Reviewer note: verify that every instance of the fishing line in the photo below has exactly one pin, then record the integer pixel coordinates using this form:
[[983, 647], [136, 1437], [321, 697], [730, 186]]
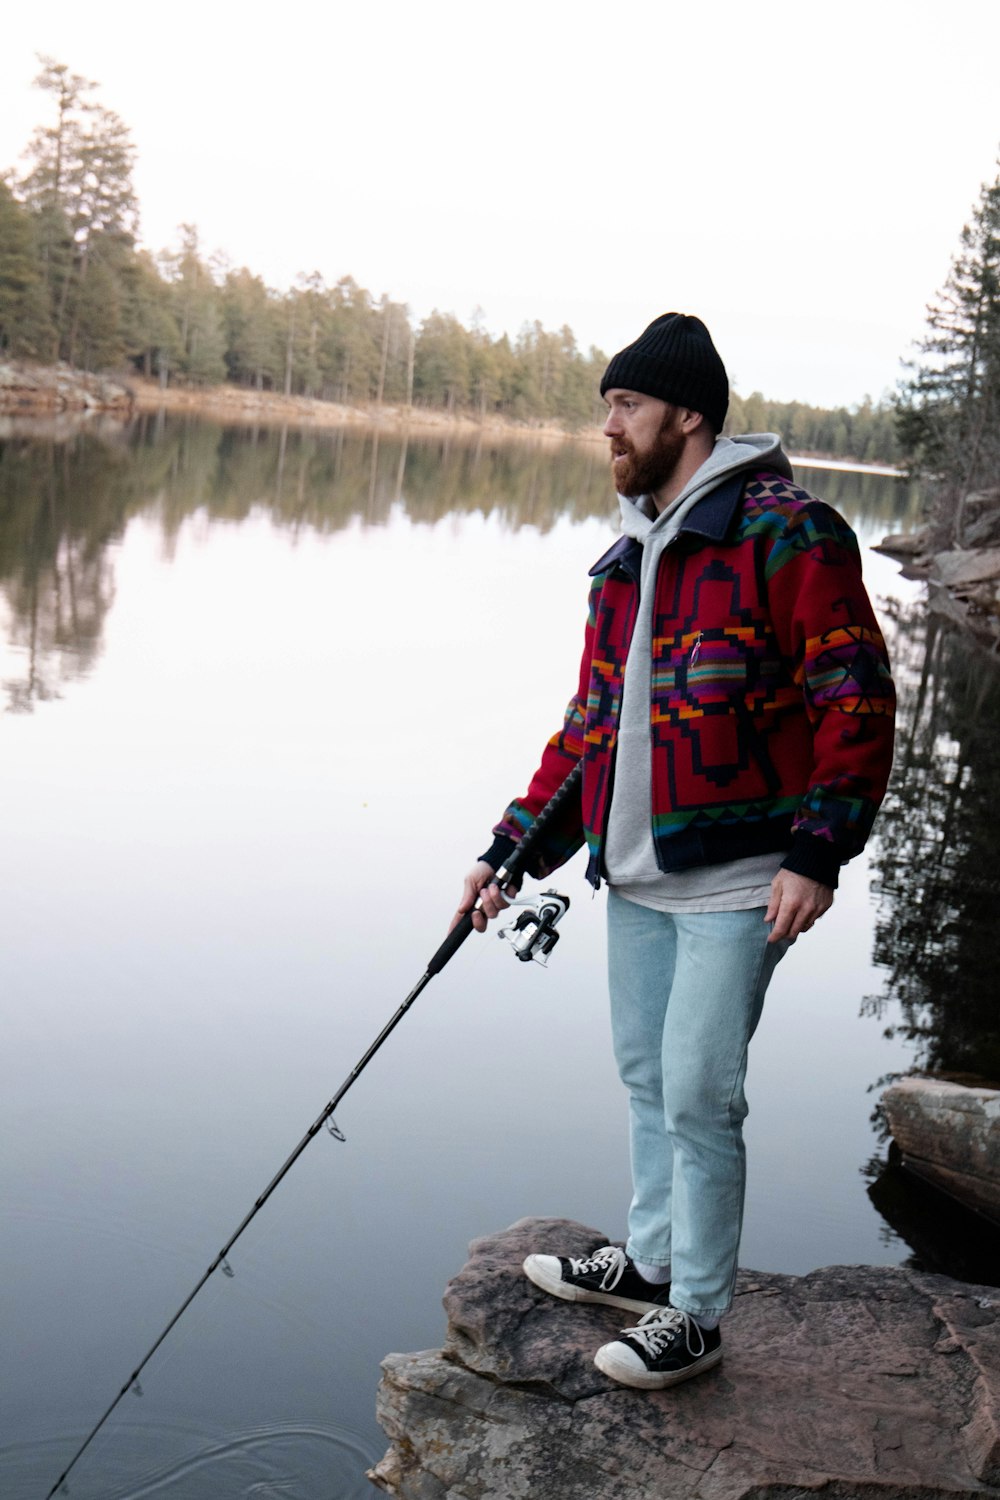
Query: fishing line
[[535, 938]]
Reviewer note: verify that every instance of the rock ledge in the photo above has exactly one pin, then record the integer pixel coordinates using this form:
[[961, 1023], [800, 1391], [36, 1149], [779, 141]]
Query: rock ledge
[[854, 1380], [949, 1134]]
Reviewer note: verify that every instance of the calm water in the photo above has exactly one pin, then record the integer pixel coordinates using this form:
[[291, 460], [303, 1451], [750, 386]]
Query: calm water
[[265, 695]]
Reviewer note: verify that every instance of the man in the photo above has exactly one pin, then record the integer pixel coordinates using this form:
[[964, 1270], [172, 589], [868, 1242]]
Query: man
[[734, 717]]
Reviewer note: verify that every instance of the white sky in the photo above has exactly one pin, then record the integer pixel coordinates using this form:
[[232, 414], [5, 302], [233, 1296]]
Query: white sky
[[796, 172]]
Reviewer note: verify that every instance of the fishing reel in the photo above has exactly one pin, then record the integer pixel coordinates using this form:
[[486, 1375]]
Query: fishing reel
[[533, 935]]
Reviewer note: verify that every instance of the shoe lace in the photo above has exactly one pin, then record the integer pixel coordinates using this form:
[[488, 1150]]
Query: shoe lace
[[655, 1331], [610, 1259]]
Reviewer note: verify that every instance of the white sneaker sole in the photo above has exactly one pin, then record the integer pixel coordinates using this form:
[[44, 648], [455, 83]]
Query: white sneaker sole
[[621, 1368], [537, 1271]]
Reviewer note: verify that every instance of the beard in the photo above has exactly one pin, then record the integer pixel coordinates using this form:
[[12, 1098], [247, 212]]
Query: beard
[[645, 473]]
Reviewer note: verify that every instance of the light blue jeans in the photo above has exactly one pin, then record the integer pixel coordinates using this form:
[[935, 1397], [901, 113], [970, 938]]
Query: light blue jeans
[[687, 991]]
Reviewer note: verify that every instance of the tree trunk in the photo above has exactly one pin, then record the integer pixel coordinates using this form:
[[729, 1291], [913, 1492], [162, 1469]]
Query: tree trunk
[[289, 350], [386, 319]]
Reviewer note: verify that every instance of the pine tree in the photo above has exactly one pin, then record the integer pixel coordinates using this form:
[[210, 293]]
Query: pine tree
[[80, 191], [149, 330], [54, 151], [196, 309], [948, 414], [25, 329]]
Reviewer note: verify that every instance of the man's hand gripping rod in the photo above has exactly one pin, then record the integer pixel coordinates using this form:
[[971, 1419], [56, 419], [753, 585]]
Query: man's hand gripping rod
[[511, 871]]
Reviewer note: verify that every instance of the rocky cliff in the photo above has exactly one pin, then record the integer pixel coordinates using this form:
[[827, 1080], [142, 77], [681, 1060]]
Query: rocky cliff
[[856, 1381]]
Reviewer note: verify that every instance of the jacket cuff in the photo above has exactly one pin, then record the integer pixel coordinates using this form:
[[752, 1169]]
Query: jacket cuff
[[499, 851], [814, 858]]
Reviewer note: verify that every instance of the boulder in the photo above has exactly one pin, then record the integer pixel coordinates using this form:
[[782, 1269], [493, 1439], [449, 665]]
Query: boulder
[[903, 544], [949, 1134], [854, 1381], [960, 568]]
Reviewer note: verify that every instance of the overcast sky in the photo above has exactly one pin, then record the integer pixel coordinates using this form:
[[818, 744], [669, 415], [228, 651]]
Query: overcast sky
[[796, 173]]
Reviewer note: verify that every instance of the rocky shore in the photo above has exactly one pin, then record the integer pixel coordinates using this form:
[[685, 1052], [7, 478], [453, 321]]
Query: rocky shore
[[29, 390], [50, 390], [854, 1381], [963, 583], [42, 390]]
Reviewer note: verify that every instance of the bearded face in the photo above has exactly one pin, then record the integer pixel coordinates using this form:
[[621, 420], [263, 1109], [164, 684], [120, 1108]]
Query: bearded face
[[643, 471]]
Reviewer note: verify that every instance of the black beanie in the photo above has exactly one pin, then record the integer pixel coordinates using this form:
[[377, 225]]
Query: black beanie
[[676, 361]]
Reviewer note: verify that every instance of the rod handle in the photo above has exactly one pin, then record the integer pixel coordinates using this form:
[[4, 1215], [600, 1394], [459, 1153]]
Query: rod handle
[[451, 944]]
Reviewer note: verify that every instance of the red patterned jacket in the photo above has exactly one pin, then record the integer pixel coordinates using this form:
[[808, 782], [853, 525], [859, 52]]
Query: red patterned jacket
[[771, 709]]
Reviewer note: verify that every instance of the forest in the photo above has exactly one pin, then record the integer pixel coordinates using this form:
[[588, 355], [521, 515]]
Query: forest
[[76, 286]]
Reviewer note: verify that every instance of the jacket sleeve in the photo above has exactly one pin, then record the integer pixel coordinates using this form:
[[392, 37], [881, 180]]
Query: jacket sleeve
[[560, 755], [828, 633]]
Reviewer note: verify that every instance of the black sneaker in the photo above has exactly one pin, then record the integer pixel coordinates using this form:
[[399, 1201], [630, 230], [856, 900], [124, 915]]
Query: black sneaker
[[607, 1276], [667, 1347]]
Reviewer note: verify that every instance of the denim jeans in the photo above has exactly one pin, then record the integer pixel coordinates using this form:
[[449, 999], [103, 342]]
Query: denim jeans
[[687, 991]]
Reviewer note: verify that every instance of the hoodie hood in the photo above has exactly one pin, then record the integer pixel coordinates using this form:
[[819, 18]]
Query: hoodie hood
[[753, 450], [630, 859]]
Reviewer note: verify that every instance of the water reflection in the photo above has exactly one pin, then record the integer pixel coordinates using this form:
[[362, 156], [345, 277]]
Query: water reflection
[[936, 852], [67, 496], [186, 966], [934, 859], [326, 480], [944, 1237], [61, 507]]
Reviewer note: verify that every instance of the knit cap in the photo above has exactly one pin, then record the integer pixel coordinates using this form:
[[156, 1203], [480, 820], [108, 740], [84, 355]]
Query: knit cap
[[675, 360]]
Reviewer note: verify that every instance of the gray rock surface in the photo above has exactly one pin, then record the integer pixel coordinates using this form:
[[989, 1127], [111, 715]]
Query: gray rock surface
[[904, 544], [949, 1134], [855, 1381], [969, 566], [29, 388]]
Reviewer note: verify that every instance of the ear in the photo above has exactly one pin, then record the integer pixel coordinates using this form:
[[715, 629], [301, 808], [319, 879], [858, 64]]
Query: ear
[[690, 421]]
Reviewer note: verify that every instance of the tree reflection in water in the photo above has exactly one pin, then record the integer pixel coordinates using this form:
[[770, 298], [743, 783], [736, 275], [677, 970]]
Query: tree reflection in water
[[936, 853], [67, 496], [935, 877], [58, 515], [68, 492]]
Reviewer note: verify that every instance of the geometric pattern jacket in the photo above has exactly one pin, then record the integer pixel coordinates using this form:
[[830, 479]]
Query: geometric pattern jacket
[[771, 703]]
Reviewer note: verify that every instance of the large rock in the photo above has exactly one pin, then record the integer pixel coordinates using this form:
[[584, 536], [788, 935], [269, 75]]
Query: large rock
[[26, 389], [963, 568], [950, 1135], [904, 544], [856, 1381]]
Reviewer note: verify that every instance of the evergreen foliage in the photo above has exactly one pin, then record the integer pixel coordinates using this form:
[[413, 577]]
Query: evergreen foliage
[[866, 432], [25, 329], [948, 411], [74, 286]]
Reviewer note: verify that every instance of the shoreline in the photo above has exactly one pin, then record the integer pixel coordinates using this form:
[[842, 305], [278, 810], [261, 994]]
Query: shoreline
[[55, 392], [275, 409]]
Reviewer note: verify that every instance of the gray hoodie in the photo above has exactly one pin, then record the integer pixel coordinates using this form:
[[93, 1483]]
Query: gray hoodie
[[629, 858]]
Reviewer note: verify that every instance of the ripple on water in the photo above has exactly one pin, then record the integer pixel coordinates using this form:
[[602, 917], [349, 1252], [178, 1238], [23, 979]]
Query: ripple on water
[[285, 1459]]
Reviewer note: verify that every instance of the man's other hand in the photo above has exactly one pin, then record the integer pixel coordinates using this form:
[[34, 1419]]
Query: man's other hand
[[796, 903], [479, 882]]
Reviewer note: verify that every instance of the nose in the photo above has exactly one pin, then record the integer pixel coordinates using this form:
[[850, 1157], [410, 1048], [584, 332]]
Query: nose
[[613, 426]]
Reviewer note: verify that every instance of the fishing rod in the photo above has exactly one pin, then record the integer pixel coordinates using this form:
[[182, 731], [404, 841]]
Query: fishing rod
[[532, 937]]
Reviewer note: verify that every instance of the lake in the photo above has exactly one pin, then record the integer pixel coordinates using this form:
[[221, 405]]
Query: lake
[[266, 693]]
